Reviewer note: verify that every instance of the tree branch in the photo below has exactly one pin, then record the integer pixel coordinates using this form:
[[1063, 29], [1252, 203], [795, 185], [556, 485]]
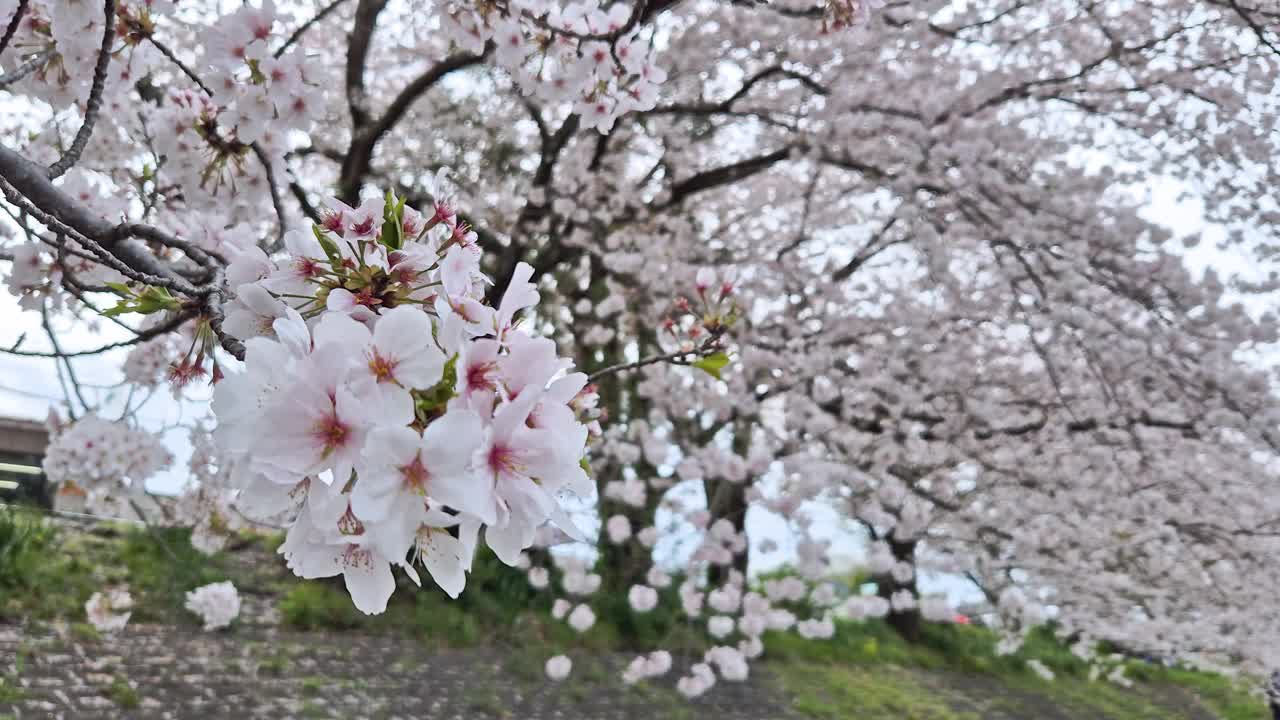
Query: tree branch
[[358, 42], [14, 22], [91, 107], [675, 358], [725, 175], [306, 26], [359, 157], [26, 68], [26, 181]]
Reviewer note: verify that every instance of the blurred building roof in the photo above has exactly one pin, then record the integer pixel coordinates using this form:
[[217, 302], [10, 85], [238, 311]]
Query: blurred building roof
[[24, 437]]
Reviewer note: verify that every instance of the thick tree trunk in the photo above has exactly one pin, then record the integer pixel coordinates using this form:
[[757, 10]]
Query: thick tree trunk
[[907, 623], [620, 565], [727, 500]]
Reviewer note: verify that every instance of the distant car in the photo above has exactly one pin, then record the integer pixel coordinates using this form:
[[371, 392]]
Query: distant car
[[22, 446]]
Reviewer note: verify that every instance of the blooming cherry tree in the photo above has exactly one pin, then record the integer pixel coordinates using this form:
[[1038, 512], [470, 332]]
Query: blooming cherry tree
[[490, 277]]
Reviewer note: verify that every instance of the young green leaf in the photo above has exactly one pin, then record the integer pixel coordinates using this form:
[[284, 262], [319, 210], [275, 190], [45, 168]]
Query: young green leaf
[[713, 364]]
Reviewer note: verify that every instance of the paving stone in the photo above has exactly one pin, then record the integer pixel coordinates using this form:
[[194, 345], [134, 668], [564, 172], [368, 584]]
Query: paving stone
[[181, 672]]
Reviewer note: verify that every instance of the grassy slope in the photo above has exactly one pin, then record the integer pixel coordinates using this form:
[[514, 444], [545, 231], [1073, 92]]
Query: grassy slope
[[866, 672]]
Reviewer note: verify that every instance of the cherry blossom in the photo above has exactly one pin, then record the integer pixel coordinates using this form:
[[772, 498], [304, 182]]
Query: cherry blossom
[[642, 598], [582, 618], [109, 462], [558, 667], [217, 604], [109, 611]]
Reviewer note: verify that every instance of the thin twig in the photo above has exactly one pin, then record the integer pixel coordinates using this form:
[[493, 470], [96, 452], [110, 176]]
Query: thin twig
[[27, 186], [142, 336], [282, 225], [276, 202], [72, 155], [304, 27], [26, 68], [191, 74], [675, 358], [213, 310], [13, 25], [101, 255], [71, 373], [300, 194]]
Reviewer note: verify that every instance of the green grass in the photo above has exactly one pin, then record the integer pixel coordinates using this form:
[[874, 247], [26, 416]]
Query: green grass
[[10, 691], [317, 606], [837, 692], [47, 573], [484, 699], [826, 691], [498, 605], [962, 648], [274, 665], [24, 541], [867, 671], [1226, 697], [84, 632], [43, 574], [312, 686], [162, 567], [122, 694], [427, 614]]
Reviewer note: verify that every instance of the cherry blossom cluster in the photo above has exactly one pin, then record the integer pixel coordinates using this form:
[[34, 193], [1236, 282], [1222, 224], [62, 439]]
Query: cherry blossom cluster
[[841, 14], [217, 604], [203, 154], [257, 91], [734, 614], [697, 325], [646, 667], [68, 33], [104, 463], [220, 134], [109, 610], [387, 401], [33, 278], [581, 53], [147, 364], [558, 667], [40, 273]]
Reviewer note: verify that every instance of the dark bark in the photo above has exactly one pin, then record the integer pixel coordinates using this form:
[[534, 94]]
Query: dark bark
[[906, 623]]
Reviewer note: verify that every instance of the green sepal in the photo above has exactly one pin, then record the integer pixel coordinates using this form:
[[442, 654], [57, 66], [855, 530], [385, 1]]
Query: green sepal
[[120, 289], [328, 245], [713, 364], [392, 227], [149, 300], [427, 402]]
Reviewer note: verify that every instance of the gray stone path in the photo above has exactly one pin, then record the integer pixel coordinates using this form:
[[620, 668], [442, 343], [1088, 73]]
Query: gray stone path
[[150, 671]]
